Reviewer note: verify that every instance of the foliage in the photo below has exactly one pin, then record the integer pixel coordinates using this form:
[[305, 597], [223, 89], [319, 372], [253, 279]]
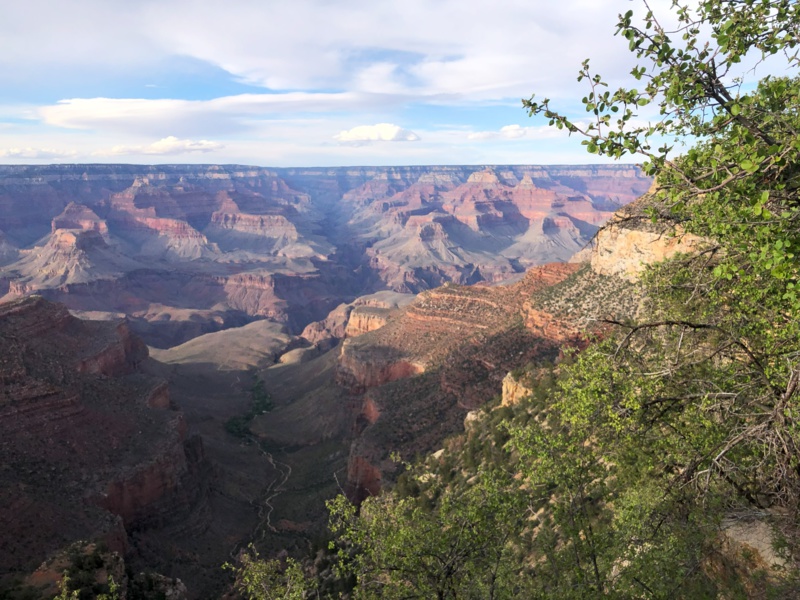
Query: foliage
[[607, 522], [692, 410], [88, 565], [70, 592], [260, 403], [456, 546], [718, 360], [271, 579]]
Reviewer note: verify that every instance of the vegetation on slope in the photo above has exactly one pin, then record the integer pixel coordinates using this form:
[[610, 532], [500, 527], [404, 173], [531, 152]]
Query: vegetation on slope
[[615, 483]]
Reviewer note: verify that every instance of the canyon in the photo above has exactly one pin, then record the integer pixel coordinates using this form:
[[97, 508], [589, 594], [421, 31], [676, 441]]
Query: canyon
[[183, 250], [379, 307]]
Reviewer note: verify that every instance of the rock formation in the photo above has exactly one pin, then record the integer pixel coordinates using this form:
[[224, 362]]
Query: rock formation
[[630, 242], [91, 448], [243, 243], [514, 390], [364, 314], [438, 358]]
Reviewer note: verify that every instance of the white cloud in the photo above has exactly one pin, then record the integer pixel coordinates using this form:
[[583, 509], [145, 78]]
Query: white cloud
[[514, 132], [36, 153], [167, 146], [227, 114], [416, 46], [382, 132], [79, 33]]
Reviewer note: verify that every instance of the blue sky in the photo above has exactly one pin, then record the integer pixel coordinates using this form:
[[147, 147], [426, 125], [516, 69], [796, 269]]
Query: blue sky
[[297, 82]]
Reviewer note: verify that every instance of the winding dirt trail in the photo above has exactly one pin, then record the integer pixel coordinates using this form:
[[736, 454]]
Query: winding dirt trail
[[274, 489], [263, 503]]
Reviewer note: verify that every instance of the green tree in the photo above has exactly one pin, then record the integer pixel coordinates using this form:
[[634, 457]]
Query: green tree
[[68, 592], [460, 547], [715, 368], [259, 579], [693, 409]]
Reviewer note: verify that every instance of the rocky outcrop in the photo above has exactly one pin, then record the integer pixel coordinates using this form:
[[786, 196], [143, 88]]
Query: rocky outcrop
[[331, 327], [363, 479], [630, 242], [364, 319], [90, 445], [152, 493], [167, 239], [548, 326], [363, 368], [119, 356], [268, 234], [69, 257], [440, 357], [77, 216], [626, 252], [514, 390], [364, 314]]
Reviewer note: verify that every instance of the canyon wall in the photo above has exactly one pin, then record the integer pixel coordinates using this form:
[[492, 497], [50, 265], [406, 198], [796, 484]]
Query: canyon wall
[[198, 248], [91, 448]]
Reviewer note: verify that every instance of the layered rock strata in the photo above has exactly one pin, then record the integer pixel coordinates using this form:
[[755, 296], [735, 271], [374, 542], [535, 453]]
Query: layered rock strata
[[116, 238], [91, 448], [631, 241], [440, 357]]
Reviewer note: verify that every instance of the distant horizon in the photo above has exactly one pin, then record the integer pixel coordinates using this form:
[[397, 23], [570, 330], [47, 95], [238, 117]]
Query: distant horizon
[[349, 166]]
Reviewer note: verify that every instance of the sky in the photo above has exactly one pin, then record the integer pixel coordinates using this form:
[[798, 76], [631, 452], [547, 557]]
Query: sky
[[298, 82]]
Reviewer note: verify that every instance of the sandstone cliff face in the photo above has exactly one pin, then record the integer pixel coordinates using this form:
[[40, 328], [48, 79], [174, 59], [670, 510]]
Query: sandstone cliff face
[[365, 319], [630, 242], [89, 445], [364, 314], [439, 321], [363, 479], [120, 355], [331, 327], [514, 390], [77, 216], [372, 367], [626, 252]]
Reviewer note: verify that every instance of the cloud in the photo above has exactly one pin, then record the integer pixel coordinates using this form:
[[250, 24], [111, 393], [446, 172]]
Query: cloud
[[382, 132], [514, 132], [36, 153], [84, 80], [189, 118], [509, 132], [166, 146], [415, 47]]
